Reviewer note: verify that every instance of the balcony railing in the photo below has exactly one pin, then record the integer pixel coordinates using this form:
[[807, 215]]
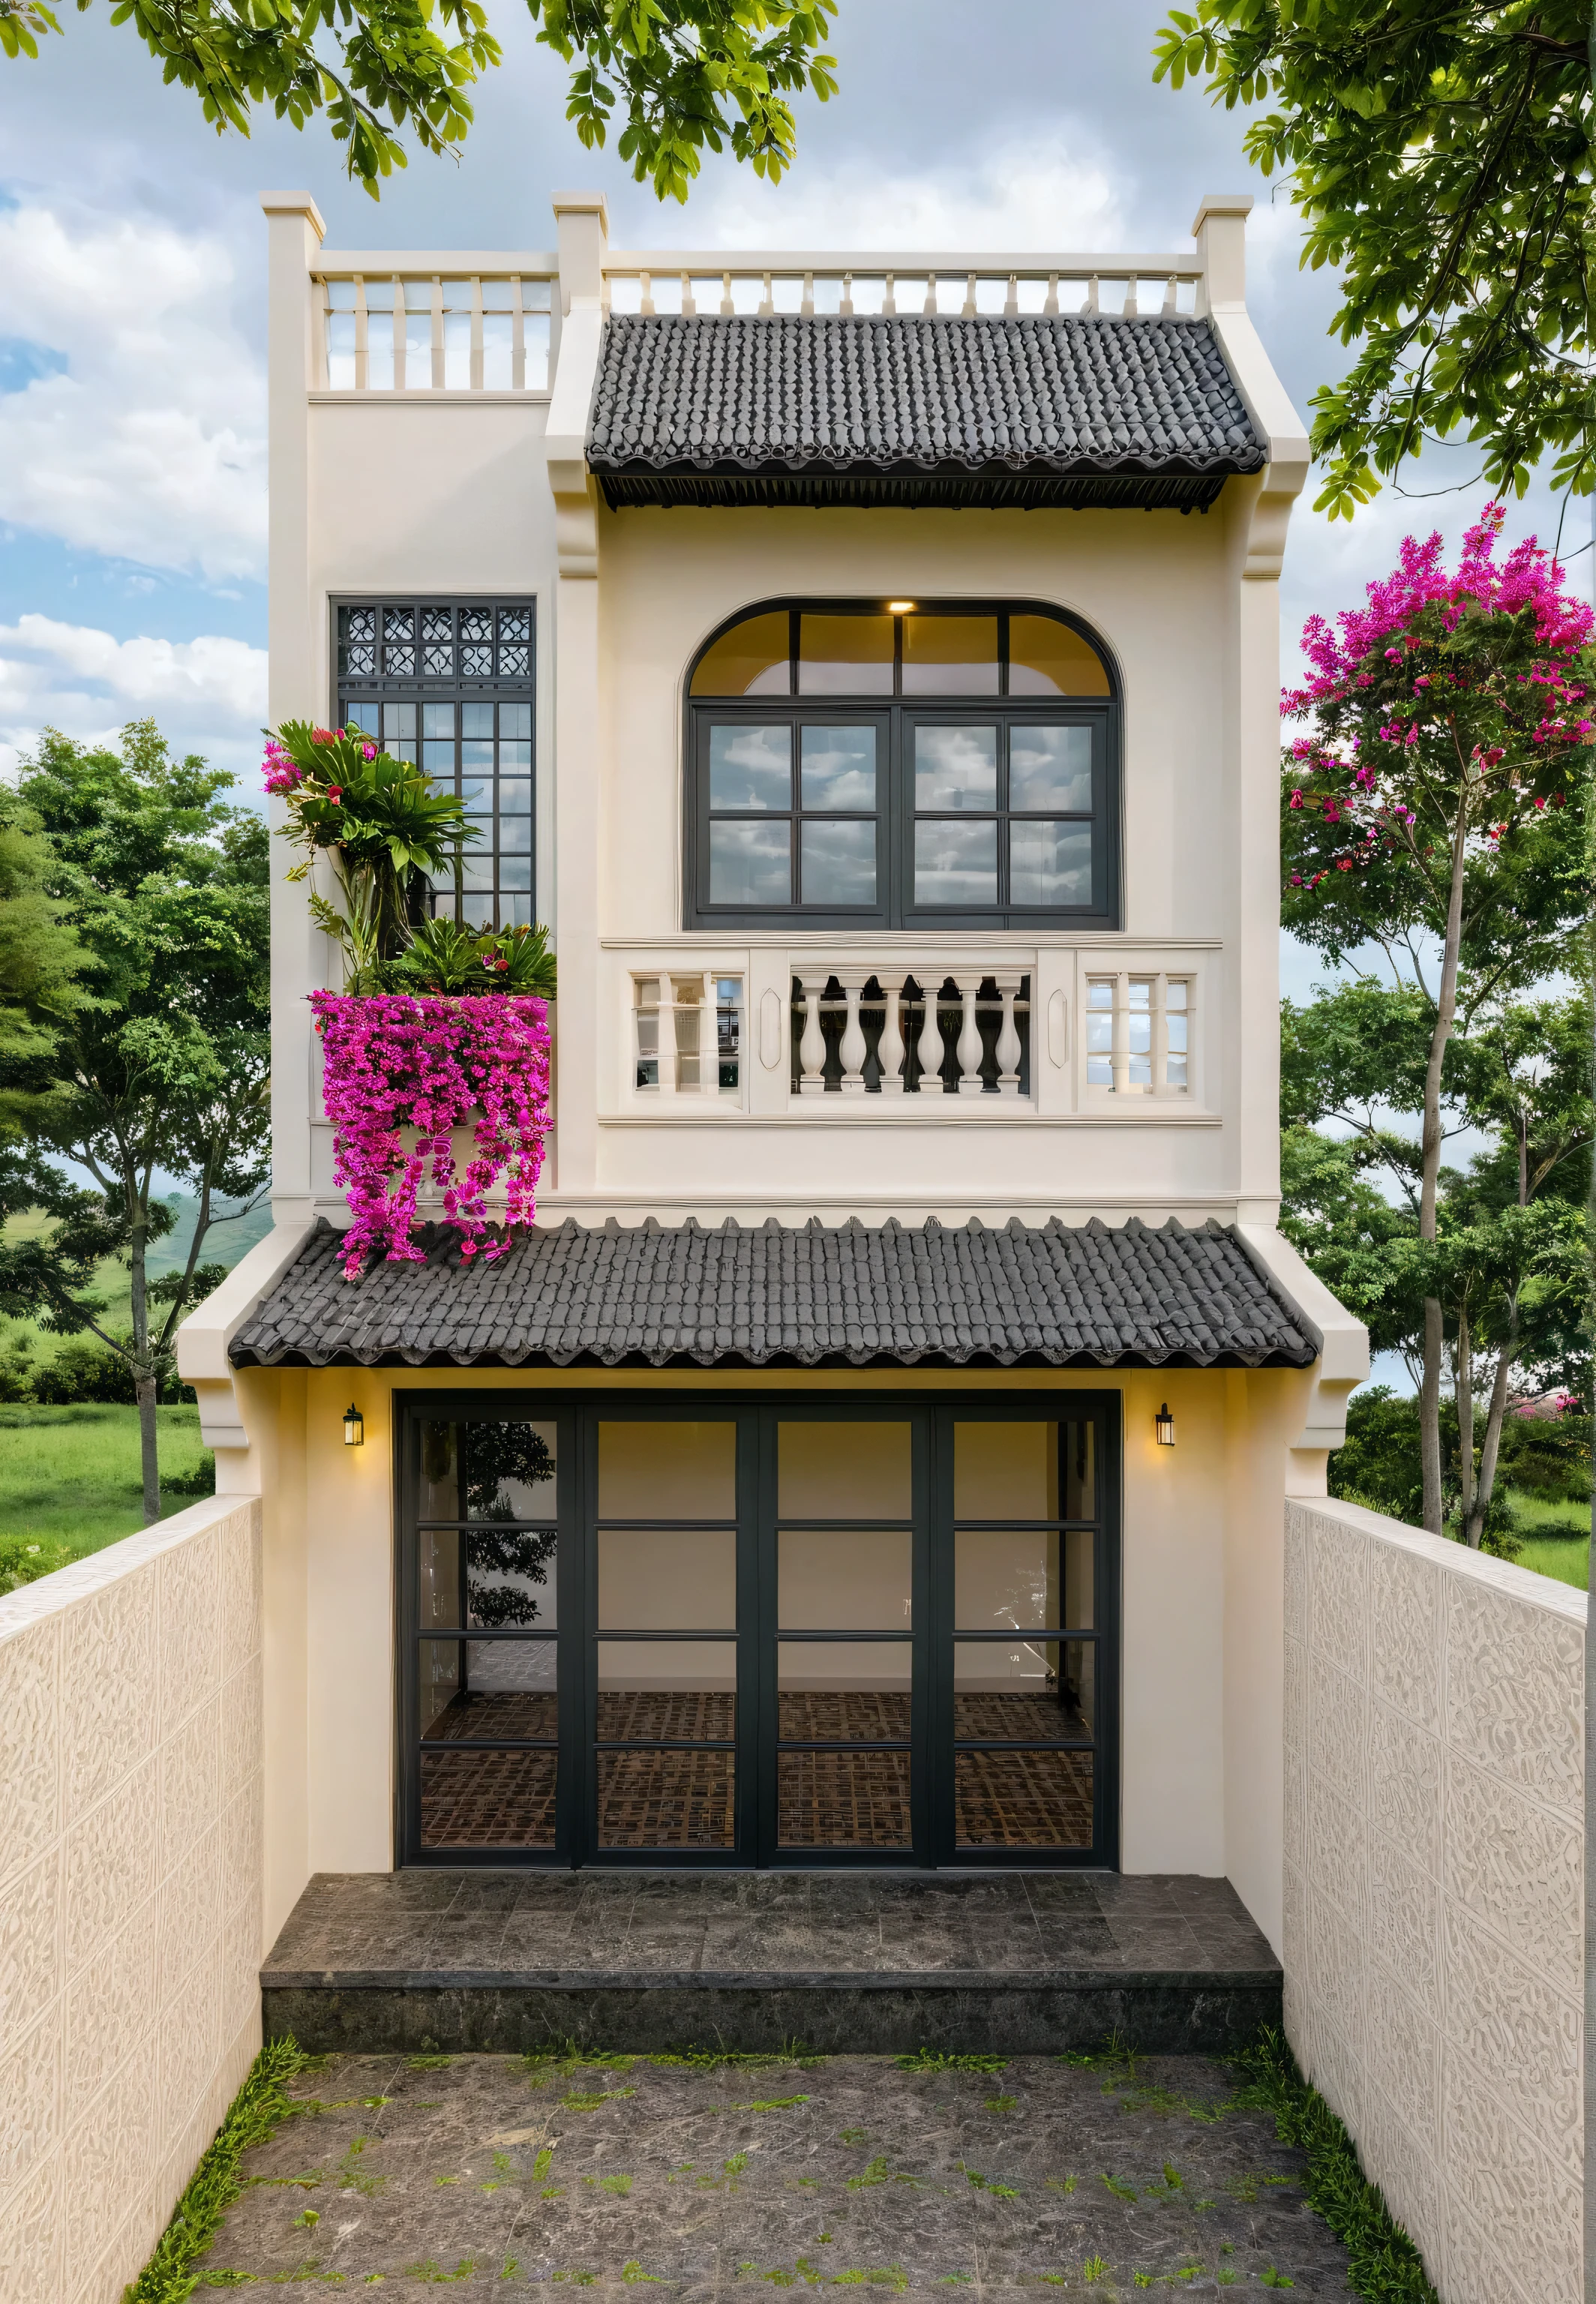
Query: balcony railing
[[883, 1032], [764, 284], [397, 332]]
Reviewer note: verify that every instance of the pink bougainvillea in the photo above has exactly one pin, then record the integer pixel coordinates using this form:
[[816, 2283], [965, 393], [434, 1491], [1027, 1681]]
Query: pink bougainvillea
[[393, 1062]]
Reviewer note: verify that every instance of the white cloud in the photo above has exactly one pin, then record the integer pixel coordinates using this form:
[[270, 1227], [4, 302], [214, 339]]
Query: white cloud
[[208, 694], [150, 445], [1041, 195]]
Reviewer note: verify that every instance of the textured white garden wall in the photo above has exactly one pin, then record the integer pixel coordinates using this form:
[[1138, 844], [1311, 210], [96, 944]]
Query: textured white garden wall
[[1434, 1850], [130, 1752]]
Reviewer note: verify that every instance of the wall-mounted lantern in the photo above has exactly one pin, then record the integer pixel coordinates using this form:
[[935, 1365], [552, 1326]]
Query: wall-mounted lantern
[[1163, 1426], [354, 1427]]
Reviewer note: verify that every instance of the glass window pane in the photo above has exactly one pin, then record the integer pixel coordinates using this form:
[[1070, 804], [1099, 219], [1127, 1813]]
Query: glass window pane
[[751, 863], [838, 770], [955, 769], [844, 655], [667, 1799], [437, 720], [399, 723], [514, 720], [476, 795], [1006, 1577], [1047, 658], [673, 1469], [845, 1470], [491, 1689], [844, 1691], [488, 1800], [477, 754], [656, 1692], [507, 1470], [1050, 863], [842, 1799], [515, 836], [363, 716], [955, 863], [438, 760], [844, 1579], [1050, 767], [751, 767], [514, 796], [668, 1579], [1019, 1695], [1023, 1799], [749, 660], [950, 655], [476, 720], [837, 862]]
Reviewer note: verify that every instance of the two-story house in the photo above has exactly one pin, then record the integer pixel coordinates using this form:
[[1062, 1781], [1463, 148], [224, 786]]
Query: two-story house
[[875, 1455]]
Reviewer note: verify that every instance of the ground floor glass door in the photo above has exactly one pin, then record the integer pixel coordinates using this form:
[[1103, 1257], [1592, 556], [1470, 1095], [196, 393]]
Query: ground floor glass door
[[781, 1633]]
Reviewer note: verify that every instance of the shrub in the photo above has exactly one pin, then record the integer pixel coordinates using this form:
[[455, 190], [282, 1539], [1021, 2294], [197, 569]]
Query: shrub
[[83, 1370], [25, 1562]]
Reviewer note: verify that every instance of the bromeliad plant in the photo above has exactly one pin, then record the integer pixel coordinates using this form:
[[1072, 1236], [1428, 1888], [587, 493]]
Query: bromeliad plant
[[383, 823]]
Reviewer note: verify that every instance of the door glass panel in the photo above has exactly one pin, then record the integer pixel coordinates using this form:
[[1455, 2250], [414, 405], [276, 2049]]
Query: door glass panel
[[667, 1799], [509, 1579], [439, 1588], [1006, 1577], [1024, 1471], [950, 655], [506, 1471], [1011, 1714], [652, 1690], [668, 1579], [488, 1800], [439, 1497], [751, 767], [844, 655], [842, 1799], [489, 1689], [749, 660], [844, 1579], [1047, 658], [1038, 1799], [669, 1470], [844, 1471], [844, 1691], [956, 770], [838, 770]]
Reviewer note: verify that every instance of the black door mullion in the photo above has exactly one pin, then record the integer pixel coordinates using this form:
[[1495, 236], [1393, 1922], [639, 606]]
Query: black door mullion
[[936, 1766], [751, 1689]]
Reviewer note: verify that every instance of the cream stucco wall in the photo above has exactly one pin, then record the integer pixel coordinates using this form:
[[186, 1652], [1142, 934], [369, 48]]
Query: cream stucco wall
[[1200, 1602]]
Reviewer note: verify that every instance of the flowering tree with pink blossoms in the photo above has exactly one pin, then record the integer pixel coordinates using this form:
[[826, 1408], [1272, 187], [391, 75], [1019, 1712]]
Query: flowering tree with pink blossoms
[[1435, 806]]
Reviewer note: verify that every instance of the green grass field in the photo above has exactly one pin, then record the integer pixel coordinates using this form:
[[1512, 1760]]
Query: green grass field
[[71, 1474]]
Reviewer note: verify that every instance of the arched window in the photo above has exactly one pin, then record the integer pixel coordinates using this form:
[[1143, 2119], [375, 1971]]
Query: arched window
[[894, 765]]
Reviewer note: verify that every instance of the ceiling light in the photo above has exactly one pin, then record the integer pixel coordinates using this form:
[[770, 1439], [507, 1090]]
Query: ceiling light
[[899, 607]]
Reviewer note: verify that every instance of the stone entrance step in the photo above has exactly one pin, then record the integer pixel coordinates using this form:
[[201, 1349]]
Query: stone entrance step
[[504, 1962]]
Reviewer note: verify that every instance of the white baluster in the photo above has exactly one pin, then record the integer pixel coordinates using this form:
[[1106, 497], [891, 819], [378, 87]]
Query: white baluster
[[1129, 307], [970, 305], [1050, 303], [853, 1047], [890, 301], [969, 1049], [889, 1048], [646, 300], [1011, 303], [1091, 305], [930, 294], [688, 306], [1171, 295], [361, 345], [929, 1047], [812, 1047], [1008, 1050], [808, 307], [766, 301], [845, 303]]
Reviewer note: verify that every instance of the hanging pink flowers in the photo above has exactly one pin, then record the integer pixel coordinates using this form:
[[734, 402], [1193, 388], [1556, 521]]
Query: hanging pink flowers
[[394, 1062]]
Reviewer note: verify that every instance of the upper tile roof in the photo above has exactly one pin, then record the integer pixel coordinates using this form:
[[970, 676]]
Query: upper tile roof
[[1066, 409], [808, 1296]]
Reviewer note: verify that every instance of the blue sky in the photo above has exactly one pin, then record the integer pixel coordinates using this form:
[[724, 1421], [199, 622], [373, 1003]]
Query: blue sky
[[131, 247]]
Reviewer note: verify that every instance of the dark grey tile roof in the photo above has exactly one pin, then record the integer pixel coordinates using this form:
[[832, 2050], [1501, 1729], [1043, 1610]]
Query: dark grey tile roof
[[1070, 409], [808, 1296]]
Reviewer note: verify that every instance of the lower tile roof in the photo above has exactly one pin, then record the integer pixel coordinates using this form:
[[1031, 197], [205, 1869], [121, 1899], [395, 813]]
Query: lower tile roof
[[808, 1296]]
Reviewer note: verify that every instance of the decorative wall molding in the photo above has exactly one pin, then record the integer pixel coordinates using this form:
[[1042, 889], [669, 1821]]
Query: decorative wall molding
[[131, 1868], [1434, 1913]]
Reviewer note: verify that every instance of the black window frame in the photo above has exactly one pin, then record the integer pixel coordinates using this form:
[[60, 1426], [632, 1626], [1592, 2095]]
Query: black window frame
[[933, 1744], [486, 683], [898, 715]]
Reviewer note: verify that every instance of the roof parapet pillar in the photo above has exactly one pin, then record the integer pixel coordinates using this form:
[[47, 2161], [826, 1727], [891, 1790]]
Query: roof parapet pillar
[[582, 221], [1220, 228]]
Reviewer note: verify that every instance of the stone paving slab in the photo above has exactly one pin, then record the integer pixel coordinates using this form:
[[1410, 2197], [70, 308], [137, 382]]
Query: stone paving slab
[[498, 2173]]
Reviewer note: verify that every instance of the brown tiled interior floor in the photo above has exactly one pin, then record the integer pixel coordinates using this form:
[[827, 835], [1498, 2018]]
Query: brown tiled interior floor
[[842, 1798]]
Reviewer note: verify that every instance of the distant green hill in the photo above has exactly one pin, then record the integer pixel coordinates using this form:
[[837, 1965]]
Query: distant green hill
[[224, 1244]]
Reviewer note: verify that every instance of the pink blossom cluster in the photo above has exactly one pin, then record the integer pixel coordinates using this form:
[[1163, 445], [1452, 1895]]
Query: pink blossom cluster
[[426, 1063], [1529, 578], [278, 771]]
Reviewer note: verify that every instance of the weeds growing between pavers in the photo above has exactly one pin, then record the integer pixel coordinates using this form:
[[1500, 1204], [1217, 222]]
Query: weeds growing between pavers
[[869, 2175]]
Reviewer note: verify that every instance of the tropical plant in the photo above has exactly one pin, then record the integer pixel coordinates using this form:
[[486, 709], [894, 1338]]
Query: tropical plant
[[689, 72], [383, 824], [447, 956], [1435, 810], [1439, 154]]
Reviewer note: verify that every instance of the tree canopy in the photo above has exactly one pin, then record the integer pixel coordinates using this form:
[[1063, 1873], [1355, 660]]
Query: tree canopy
[[680, 73], [1439, 154]]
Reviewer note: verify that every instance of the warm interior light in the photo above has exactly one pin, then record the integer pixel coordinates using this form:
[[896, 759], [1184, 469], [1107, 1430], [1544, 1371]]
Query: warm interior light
[[354, 1427], [899, 607], [1163, 1425]]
